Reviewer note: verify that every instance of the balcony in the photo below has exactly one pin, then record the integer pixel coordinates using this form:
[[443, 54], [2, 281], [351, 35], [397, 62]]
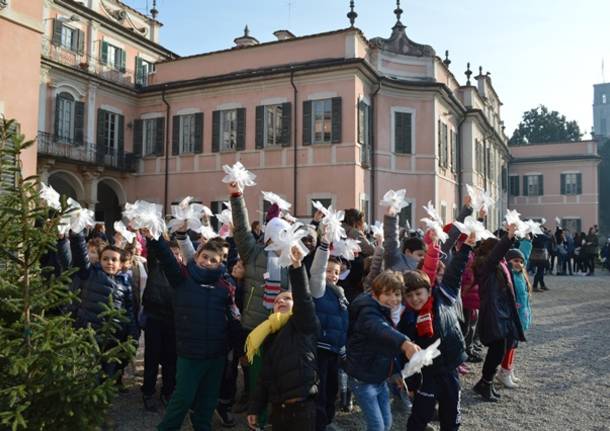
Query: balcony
[[92, 65], [67, 150]]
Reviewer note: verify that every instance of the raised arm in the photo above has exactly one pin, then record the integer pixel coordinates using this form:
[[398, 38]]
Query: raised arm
[[168, 263], [454, 233], [453, 274], [525, 245], [390, 241], [497, 253], [64, 255], [80, 258], [317, 278], [244, 239], [186, 246], [303, 311], [375, 269], [367, 249], [432, 257]]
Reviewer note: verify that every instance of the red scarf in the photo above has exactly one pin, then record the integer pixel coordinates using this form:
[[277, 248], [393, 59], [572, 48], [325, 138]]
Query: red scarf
[[425, 319]]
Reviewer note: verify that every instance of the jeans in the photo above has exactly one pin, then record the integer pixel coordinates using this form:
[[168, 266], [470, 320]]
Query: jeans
[[374, 401], [441, 387], [328, 370]]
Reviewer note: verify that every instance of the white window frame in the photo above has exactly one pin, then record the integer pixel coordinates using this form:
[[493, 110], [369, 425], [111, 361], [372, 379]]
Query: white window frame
[[228, 138], [406, 110], [530, 184], [573, 187], [273, 119], [66, 125], [187, 133], [325, 118], [364, 133], [111, 137], [67, 37], [149, 132]]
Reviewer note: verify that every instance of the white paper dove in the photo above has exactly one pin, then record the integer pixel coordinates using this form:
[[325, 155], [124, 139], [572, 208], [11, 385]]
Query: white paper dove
[[187, 212], [512, 217], [480, 199], [421, 359], [272, 198], [377, 229], [145, 215], [527, 227], [346, 248], [395, 199], [120, 227], [50, 196], [558, 221], [286, 239], [80, 218], [238, 174], [333, 221], [225, 217], [472, 225], [207, 232], [435, 222]]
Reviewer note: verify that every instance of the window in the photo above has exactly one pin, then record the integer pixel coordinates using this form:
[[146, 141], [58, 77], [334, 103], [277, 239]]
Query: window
[[149, 133], [403, 132], [571, 224], [571, 184], [443, 212], [273, 125], [532, 185], [364, 207], [143, 69], [8, 178], [514, 185], [479, 157], [443, 151], [110, 133], [228, 130], [187, 133], [321, 121], [453, 151], [65, 117], [404, 218], [68, 37], [364, 137], [113, 56], [325, 201]]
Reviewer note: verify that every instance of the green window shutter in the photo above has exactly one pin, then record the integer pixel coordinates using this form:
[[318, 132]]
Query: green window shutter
[[402, 132], [104, 52], [241, 129], [540, 185], [563, 184], [175, 135], [286, 124], [57, 108], [215, 131], [516, 181], [579, 184], [337, 120], [81, 42], [199, 133], [259, 141], [525, 191], [139, 72], [123, 59], [79, 122], [361, 109], [57, 26], [121, 137], [137, 137], [307, 130], [159, 147]]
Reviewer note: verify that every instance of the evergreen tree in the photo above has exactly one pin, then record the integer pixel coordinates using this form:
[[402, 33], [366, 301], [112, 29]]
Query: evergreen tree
[[50, 371], [539, 125]]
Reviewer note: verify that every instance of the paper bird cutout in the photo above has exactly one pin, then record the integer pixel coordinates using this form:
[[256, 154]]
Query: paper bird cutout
[[238, 174]]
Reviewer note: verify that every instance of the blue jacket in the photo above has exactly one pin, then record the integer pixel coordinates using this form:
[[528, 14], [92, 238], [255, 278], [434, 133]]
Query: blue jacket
[[372, 341], [446, 323], [334, 320], [522, 295], [202, 306], [97, 287]]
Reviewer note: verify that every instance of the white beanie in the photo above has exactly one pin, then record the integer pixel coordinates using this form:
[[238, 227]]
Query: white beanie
[[273, 228]]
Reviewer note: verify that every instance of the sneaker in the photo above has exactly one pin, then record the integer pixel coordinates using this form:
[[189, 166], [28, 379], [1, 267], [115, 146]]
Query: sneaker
[[514, 377], [483, 388], [150, 404], [503, 377], [226, 417]]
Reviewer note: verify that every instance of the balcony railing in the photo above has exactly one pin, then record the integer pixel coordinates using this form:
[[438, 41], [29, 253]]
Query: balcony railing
[[90, 64], [52, 146]]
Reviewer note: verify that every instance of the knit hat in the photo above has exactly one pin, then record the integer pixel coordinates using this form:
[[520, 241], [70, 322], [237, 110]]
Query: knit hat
[[273, 228], [272, 212], [514, 253], [447, 228]]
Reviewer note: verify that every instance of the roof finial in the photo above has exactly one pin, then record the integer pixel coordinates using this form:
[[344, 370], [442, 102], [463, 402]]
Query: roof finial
[[154, 11], [398, 11], [246, 31], [446, 61], [480, 70], [352, 15], [468, 74]]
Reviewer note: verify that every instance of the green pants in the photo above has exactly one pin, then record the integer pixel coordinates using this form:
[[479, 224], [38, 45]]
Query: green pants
[[197, 386], [254, 371]]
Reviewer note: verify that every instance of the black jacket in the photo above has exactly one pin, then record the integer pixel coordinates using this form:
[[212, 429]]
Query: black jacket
[[372, 341], [289, 357], [498, 316], [446, 323], [158, 297]]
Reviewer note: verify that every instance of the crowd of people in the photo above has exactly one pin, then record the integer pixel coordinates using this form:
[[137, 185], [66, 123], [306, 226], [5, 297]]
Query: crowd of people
[[325, 330]]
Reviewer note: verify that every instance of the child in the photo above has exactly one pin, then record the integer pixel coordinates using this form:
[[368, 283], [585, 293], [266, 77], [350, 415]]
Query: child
[[203, 305], [517, 261], [413, 249], [499, 323], [432, 314], [331, 309], [289, 379], [372, 345]]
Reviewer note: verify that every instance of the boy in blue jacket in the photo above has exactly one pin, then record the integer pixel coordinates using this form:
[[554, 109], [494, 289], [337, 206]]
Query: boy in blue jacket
[[203, 319], [440, 381]]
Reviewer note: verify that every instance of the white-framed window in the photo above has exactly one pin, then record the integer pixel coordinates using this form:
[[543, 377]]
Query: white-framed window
[[403, 130], [443, 145], [65, 117], [572, 224], [187, 133], [111, 133], [321, 118], [143, 69], [571, 183], [112, 56], [364, 112], [533, 185], [273, 125], [228, 130], [479, 156], [324, 201], [149, 132], [68, 37]]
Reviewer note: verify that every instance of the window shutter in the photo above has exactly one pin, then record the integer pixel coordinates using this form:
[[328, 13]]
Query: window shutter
[[241, 129], [337, 120], [307, 138], [540, 185], [579, 184], [516, 185], [361, 109], [260, 128], [79, 122], [525, 191], [57, 25], [100, 148], [137, 137], [199, 133], [57, 108], [399, 133], [121, 137], [123, 57], [563, 184], [175, 135], [104, 54], [215, 131], [159, 146], [81, 42], [139, 74], [286, 124]]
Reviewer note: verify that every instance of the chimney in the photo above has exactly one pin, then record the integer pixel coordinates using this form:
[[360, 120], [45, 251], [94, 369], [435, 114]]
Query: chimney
[[245, 40], [283, 35]]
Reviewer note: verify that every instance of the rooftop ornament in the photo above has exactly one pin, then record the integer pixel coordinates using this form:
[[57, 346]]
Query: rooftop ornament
[[246, 39], [468, 74], [446, 61], [154, 12], [352, 15]]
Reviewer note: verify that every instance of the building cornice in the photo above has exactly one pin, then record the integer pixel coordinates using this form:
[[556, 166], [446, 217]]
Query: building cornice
[[566, 158]]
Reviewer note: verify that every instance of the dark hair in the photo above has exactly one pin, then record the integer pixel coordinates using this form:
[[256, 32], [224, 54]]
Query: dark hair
[[353, 217], [481, 253], [221, 242], [334, 260], [112, 248], [98, 243], [413, 244], [98, 227], [213, 246], [174, 244], [255, 224], [126, 255], [414, 280]]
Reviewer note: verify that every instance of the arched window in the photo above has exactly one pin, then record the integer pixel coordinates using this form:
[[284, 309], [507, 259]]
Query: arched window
[[64, 121]]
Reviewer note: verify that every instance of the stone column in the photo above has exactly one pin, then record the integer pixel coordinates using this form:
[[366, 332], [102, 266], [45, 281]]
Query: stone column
[[44, 168], [91, 114], [90, 181], [42, 99]]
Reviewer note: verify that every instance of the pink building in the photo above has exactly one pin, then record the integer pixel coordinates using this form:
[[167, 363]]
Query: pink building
[[333, 116], [556, 180]]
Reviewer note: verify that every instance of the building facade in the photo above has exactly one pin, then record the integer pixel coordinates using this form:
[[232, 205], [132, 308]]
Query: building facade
[[556, 180], [601, 110]]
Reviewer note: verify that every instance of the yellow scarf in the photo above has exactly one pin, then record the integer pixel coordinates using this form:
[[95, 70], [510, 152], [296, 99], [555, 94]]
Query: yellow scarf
[[274, 323]]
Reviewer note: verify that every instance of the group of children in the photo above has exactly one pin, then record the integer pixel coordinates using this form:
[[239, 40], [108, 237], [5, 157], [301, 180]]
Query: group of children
[[210, 307]]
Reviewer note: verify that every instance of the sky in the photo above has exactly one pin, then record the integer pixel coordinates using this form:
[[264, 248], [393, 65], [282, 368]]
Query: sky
[[546, 52]]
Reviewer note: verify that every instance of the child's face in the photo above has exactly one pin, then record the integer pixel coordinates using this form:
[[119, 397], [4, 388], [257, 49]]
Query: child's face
[[516, 264], [239, 271], [417, 298], [126, 265], [93, 255], [332, 272], [283, 303], [111, 262], [417, 254], [208, 259], [177, 254], [225, 254], [138, 248], [390, 299]]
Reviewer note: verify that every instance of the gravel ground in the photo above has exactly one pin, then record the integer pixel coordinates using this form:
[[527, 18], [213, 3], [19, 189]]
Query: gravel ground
[[564, 367]]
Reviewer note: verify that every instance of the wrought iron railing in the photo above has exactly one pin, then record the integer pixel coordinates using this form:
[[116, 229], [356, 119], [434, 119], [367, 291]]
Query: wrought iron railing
[[53, 146]]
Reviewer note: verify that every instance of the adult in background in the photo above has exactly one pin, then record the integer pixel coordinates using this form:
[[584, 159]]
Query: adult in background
[[562, 251], [354, 228], [570, 246], [540, 260], [591, 249]]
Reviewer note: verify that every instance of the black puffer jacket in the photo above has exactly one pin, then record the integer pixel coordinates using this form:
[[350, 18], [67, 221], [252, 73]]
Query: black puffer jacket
[[158, 297], [97, 287], [372, 341], [289, 356], [498, 316], [446, 323]]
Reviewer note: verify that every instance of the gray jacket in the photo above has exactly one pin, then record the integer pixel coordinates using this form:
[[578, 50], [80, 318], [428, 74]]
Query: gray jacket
[[394, 259]]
